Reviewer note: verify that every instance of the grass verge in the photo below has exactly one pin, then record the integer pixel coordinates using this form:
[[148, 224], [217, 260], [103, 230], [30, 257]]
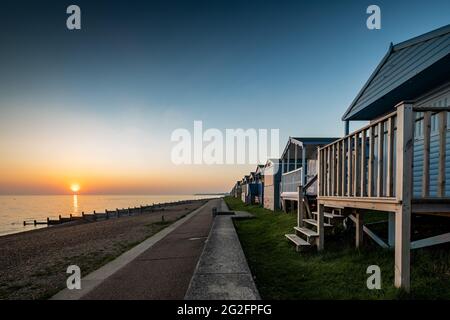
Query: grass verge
[[339, 272]]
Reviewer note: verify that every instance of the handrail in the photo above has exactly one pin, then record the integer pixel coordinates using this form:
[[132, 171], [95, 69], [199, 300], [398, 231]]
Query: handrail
[[360, 164], [292, 171], [374, 123], [375, 161], [310, 182]]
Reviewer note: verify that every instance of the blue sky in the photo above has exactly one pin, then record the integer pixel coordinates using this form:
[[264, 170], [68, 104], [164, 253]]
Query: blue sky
[[142, 69]]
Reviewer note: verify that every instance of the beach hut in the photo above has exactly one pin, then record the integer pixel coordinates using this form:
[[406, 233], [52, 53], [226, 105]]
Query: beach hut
[[249, 189], [258, 179], [271, 186], [236, 191], [299, 168], [400, 162]]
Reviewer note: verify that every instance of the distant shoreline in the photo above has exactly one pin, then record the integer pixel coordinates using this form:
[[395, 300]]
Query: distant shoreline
[[17, 209]]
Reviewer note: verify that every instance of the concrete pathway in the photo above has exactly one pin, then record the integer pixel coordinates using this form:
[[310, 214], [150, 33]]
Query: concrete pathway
[[161, 271], [222, 272]]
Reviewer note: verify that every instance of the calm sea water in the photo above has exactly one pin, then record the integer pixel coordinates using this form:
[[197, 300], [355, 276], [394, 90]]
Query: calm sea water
[[15, 209]]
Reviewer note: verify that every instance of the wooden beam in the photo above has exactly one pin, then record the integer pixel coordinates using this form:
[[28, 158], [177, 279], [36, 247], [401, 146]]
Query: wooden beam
[[403, 189], [380, 161], [442, 238], [426, 154], [361, 203], [442, 148], [375, 238]]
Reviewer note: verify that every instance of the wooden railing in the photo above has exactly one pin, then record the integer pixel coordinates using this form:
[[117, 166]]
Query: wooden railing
[[359, 165], [376, 161]]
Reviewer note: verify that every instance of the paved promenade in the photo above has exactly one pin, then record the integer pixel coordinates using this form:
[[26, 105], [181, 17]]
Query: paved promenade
[[161, 271]]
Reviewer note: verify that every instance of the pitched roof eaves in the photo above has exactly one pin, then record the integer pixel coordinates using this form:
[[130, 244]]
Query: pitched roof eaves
[[366, 85]]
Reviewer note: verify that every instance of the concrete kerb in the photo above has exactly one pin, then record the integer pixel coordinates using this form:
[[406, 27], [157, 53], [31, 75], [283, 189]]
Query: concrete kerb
[[222, 271]]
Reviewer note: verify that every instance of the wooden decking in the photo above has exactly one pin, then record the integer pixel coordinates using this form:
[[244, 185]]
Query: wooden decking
[[371, 169]]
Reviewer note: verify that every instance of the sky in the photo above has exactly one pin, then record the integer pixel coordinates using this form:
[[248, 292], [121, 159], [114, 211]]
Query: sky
[[97, 106]]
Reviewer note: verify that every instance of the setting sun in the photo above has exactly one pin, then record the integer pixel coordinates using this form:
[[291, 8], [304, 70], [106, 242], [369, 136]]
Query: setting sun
[[75, 187]]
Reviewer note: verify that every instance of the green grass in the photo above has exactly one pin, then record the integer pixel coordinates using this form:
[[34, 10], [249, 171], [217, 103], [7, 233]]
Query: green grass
[[339, 272]]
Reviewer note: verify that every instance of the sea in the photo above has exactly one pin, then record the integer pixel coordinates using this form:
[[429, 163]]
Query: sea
[[14, 210]]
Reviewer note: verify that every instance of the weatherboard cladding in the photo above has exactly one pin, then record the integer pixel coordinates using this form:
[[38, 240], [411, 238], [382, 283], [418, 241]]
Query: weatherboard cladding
[[440, 100], [402, 62]]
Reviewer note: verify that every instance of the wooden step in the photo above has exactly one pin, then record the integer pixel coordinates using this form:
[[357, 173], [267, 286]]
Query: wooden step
[[299, 242], [330, 215], [335, 207], [314, 223], [307, 232]]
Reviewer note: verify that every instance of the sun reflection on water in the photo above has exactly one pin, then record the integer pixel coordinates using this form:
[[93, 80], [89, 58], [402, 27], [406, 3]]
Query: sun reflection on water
[[75, 203]]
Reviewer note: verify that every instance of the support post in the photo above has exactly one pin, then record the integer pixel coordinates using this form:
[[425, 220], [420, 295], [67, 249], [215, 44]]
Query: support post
[[300, 207], [403, 192], [295, 157], [289, 157], [283, 203], [391, 229], [303, 165], [359, 228], [347, 128], [442, 149], [320, 229]]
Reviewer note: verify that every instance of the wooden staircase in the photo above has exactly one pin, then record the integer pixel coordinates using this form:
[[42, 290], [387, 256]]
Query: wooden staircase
[[306, 234]]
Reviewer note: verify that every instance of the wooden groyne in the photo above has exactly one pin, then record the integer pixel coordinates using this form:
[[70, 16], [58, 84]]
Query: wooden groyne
[[109, 214]]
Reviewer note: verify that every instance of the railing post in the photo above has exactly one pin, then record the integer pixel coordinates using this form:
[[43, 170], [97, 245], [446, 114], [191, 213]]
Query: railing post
[[362, 188], [405, 126], [380, 155], [390, 157]]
